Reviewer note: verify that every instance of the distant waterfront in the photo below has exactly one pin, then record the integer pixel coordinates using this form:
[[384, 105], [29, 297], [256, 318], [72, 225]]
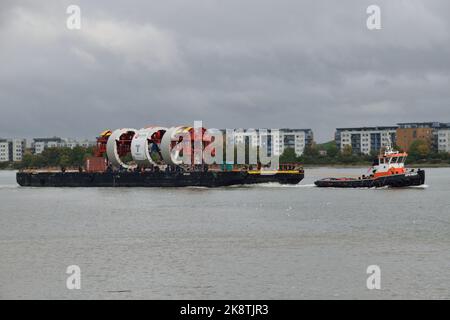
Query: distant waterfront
[[340, 165], [368, 164]]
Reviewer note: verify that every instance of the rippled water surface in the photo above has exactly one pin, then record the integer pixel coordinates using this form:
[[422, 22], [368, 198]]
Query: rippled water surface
[[258, 242]]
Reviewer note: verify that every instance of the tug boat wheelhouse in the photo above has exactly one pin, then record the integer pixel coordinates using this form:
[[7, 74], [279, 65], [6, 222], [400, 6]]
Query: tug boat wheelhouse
[[388, 169]]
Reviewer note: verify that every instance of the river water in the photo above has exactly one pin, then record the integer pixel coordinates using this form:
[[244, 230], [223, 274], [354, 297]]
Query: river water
[[258, 242]]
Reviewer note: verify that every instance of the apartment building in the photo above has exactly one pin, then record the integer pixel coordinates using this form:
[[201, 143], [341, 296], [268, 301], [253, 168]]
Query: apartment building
[[17, 148], [40, 144], [434, 133], [72, 143], [12, 149], [443, 138], [4, 150], [296, 139], [365, 140], [409, 132]]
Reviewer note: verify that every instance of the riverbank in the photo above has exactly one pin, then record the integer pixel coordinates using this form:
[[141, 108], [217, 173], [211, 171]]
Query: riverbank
[[367, 164], [337, 165]]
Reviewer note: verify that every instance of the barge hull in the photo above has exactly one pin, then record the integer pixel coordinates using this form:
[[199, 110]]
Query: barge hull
[[151, 179]]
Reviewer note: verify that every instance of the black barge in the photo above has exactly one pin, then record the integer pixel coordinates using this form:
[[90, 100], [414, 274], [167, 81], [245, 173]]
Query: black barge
[[156, 179]]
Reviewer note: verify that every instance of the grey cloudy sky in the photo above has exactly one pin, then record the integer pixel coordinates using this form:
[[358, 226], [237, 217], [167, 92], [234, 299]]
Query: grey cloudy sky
[[234, 63]]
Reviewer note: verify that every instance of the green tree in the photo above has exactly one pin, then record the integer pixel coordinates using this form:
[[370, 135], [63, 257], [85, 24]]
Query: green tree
[[332, 150], [4, 165], [64, 161], [51, 156], [347, 151], [27, 161], [330, 147], [38, 161], [55, 157], [288, 156], [78, 156], [419, 149], [311, 150]]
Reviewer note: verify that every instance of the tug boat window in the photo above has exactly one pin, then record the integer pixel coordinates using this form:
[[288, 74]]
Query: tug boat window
[[375, 162]]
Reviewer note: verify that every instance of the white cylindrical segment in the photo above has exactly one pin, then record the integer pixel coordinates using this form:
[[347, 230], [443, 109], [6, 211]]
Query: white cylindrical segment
[[169, 140], [140, 145], [111, 148]]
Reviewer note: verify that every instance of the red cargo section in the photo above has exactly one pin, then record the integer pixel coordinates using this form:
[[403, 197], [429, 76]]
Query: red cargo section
[[95, 164]]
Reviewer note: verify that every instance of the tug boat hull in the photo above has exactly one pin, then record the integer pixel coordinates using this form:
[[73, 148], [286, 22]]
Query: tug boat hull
[[154, 179], [395, 181]]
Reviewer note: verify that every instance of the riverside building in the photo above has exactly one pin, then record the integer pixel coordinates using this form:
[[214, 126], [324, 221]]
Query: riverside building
[[443, 138], [365, 140], [434, 133], [40, 144], [12, 150], [296, 139]]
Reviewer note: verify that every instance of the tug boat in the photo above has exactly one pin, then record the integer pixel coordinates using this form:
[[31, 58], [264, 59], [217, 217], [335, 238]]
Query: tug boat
[[388, 169]]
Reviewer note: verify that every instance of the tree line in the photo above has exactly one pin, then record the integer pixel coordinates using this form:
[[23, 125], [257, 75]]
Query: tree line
[[328, 153], [52, 157], [419, 152]]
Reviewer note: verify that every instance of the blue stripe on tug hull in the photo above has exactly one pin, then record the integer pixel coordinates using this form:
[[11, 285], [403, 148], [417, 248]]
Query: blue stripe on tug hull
[[395, 181], [150, 179]]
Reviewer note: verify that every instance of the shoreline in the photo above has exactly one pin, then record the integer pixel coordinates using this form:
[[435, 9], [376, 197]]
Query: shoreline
[[340, 165], [366, 165]]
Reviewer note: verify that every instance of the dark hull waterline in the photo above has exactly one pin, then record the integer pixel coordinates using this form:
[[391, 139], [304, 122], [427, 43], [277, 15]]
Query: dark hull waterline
[[395, 181], [151, 179]]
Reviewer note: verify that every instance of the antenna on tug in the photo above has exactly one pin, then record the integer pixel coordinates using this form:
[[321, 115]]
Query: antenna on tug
[[388, 148]]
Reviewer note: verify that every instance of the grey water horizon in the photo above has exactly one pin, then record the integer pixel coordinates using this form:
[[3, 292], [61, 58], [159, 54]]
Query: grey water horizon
[[267, 241]]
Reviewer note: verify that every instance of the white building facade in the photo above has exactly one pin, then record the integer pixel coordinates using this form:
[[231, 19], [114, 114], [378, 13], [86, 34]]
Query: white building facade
[[18, 147], [296, 139], [12, 149], [4, 150], [443, 136], [40, 144], [72, 143], [365, 140]]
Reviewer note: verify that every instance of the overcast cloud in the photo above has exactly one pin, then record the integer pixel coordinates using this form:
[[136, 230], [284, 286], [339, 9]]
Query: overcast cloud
[[234, 63]]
